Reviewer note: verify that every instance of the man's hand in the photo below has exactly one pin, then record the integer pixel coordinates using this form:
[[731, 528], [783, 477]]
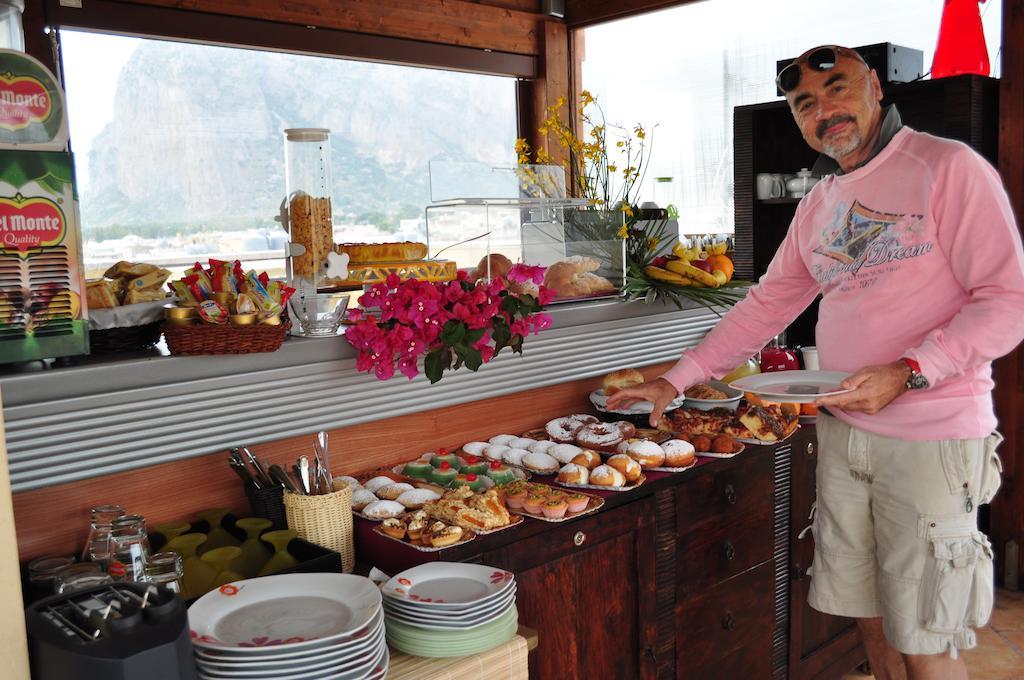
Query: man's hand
[[660, 393], [873, 388]]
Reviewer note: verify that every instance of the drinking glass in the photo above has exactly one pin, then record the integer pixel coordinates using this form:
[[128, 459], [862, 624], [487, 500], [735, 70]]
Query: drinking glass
[[217, 536], [81, 575], [221, 559], [197, 575], [97, 543], [254, 552], [165, 568], [320, 314], [42, 571], [129, 548], [282, 559]]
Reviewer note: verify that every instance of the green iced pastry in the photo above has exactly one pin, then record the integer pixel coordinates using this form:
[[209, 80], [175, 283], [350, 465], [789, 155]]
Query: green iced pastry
[[501, 474], [418, 470], [471, 480], [474, 465], [444, 474], [443, 456]]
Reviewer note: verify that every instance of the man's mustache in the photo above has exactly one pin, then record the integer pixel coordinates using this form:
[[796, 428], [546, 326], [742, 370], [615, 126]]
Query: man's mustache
[[834, 120]]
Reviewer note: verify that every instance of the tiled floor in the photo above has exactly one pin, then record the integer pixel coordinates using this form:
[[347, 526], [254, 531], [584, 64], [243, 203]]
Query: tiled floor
[[1000, 651]]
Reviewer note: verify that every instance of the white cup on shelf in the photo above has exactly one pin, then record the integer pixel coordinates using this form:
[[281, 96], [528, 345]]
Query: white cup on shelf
[[770, 186], [810, 355]]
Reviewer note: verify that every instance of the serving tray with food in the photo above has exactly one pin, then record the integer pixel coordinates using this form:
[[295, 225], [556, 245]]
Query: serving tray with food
[[417, 530], [384, 494], [450, 470], [758, 423], [547, 503]]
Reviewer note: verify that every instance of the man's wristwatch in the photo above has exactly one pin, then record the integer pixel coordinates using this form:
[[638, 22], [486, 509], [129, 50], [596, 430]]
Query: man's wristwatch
[[916, 381]]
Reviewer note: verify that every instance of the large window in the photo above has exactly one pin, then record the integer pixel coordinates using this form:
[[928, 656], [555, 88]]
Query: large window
[[179, 149], [685, 69]]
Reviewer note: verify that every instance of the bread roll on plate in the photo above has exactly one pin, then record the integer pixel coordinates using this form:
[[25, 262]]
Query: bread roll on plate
[[620, 380]]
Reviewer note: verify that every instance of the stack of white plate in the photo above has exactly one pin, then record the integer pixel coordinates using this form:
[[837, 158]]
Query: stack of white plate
[[444, 609], [291, 627]]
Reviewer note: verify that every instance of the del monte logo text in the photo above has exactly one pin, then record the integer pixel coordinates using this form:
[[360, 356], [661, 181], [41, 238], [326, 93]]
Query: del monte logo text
[[23, 101], [27, 225]]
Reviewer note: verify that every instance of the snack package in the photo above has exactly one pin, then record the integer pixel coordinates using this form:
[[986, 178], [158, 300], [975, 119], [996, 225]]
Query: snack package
[[130, 270], [259, 294], [280, 292], [221, 278], [186, 298], [134, 296], [212, 311], [192, 281], [202, 280], [244, 304], [150, 281], [100, 294]]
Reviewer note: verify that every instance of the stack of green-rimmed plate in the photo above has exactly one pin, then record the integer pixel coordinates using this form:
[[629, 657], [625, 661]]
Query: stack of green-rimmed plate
[[444, 609]]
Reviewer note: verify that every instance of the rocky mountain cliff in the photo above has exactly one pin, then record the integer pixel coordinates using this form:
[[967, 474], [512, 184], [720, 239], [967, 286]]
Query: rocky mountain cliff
[[197, 137]]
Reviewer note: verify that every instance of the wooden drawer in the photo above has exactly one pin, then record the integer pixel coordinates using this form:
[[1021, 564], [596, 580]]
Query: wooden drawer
[[734, 493], [720, 551], [726, 631]]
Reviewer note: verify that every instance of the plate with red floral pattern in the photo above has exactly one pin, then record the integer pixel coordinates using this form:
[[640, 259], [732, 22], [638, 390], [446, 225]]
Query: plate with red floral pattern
[[448, 585]]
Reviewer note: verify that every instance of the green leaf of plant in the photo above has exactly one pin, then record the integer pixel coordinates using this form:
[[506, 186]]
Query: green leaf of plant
[[473, 359], [516, 343], [473, 336], [453, 332], [510, 305], [501, 334], [433, 365]]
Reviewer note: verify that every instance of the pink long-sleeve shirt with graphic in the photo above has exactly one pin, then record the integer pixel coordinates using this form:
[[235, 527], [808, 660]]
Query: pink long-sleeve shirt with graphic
[[916, 254]]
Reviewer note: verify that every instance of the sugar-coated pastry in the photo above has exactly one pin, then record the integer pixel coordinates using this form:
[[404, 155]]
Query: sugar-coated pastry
[[496, 451], [393, 527], [604, 475], [502, 439], [361, 498], [351, 481], [372, 485], [563, 453], [627, 428], [542, 446], [563, 430], [678, 453], [383, 509], [554, 508], [475, 448], [629, 468], [571, 473], [391, 492], [521, 443], [541, 463], [577, 502], [414, 499], [645, 452], [600, 437], [515, 456], [620, 380], [587, 458]]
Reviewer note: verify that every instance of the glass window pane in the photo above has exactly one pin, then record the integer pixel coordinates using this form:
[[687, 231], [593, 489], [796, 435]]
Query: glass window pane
[[179, 149], [685, 69]]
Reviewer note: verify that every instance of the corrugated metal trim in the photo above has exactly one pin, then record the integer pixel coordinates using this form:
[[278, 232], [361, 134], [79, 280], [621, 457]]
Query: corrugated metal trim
[[94, 436]]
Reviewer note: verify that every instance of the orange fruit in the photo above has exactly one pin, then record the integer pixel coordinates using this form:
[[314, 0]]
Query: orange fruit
[[808, 409], [723, 264]]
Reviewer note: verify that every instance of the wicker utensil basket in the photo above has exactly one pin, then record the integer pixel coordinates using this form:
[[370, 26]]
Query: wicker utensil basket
[[325, 520], [224, 339]]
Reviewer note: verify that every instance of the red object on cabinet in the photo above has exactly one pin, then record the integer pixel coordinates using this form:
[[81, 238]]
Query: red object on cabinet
[[961, 48], [776, 358]]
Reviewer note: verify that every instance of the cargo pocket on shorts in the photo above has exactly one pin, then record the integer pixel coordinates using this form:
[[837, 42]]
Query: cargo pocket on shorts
[[992, 469], [956, 591]]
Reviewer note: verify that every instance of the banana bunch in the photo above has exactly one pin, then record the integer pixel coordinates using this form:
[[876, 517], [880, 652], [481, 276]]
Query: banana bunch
[[679, 271], [718, 248], [684, 253]]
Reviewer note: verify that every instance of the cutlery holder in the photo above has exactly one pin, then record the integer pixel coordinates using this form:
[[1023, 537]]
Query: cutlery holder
[[325, 520], [268, 503]]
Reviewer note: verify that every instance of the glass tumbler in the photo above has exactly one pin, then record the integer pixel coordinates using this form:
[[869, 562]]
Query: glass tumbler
[[318, 315], [129, 548], [97, 543], [81, 575], [165, 568]]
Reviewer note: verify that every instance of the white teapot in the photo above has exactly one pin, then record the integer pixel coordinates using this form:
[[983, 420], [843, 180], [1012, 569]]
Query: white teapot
[[800, 185]]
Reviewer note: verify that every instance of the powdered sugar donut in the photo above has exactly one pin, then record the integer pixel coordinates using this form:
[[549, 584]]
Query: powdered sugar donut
[[521, 443], [645, 452], [514, 456], [627, 428], [542, 446], [475, 448], [563, 430], [600, 437], [540, 462], [564, 453], [503, 439], [678, 453], [495, 451]]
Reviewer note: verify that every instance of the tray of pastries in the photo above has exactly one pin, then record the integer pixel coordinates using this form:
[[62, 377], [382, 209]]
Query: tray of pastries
[[452, 470], [417, 530], [383, 494], [480, 513], [547, 503], [750, 423]]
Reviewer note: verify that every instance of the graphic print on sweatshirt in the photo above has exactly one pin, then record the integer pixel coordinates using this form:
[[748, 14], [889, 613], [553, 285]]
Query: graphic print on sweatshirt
[[861, 238]]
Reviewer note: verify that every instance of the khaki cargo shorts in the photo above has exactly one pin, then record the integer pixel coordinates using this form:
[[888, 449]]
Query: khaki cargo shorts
[[896, 534]]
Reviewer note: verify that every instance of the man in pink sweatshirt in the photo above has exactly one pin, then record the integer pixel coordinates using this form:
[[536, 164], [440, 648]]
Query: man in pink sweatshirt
[[913, 247]]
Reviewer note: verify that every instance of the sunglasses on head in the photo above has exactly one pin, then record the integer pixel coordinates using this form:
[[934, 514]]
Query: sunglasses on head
[[819, 59]]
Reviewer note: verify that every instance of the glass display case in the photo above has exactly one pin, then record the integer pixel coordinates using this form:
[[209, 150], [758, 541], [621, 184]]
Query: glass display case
[[487, 218]]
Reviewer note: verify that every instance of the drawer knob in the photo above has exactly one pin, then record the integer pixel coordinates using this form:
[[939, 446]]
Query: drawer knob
[[579, 538], [729, 623], [810, 449], [730, 494], [730, 552]]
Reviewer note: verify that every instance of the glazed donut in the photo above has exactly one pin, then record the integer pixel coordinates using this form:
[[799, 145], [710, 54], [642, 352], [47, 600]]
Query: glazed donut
[[540, 463], [645, 452], [542, 446], [629, 468], [627, 428], [604, 475], [573, 474], [502, 439], [588, 459], [563, 430], [564, 453], [475, 448], [600, 437], [521, 443], [496, 451], [678, 453]]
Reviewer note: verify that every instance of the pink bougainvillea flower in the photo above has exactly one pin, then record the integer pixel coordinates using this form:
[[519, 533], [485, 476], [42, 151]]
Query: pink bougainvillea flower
[[393, 280], [407, 366], [545, 296], [521, 273]]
